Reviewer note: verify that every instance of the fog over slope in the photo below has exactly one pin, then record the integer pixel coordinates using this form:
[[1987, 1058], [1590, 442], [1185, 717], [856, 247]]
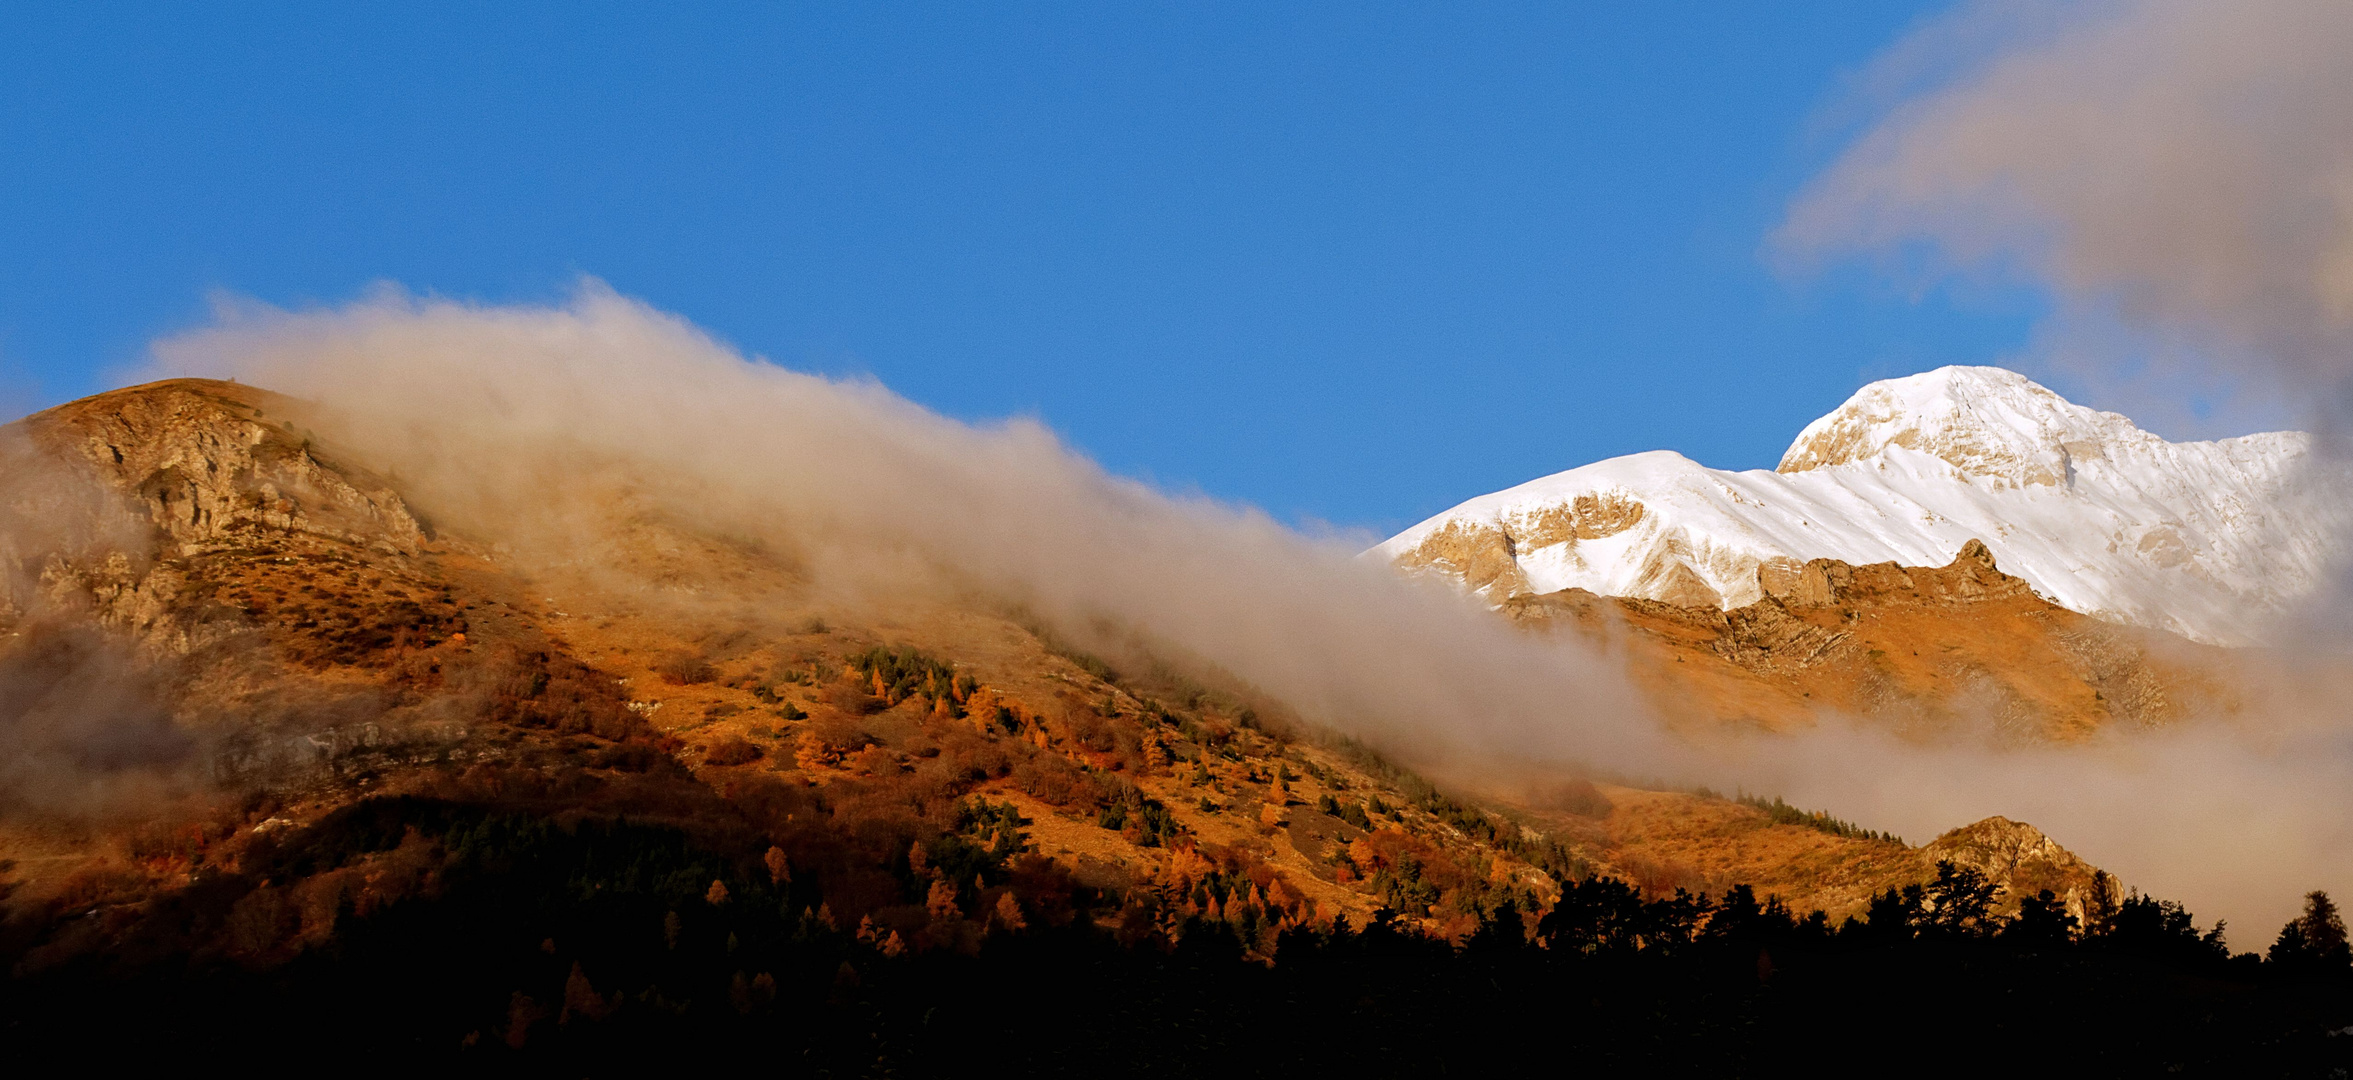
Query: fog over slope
[[508, 420], [2178, 178]]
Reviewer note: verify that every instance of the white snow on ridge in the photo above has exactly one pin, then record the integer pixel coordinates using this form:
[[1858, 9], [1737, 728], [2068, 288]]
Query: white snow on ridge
[[2211, 540]]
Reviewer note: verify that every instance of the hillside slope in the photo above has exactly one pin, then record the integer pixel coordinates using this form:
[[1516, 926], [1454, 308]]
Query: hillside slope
[[298, 659], [1933, 651]]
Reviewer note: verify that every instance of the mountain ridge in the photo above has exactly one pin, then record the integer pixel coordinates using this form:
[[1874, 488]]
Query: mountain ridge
[[396, 775], [1931, 651], [310, 644], [2213, 541]]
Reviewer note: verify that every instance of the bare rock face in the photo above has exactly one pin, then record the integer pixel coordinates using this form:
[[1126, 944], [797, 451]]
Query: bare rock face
[[1479, 556], [1993, 425], [119, 506], [1773, 635], [2017, 856], [2000, 847], [284, 606], [1953, 649], [205, 460], [1484, 556], [1971, 576]]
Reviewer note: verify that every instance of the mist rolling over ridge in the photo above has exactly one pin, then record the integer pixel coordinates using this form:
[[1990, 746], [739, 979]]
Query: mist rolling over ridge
[[502, 415], [797, 538], [512, 419]]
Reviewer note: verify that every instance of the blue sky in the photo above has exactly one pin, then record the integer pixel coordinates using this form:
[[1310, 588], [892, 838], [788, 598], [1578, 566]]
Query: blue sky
[[1351, 263]]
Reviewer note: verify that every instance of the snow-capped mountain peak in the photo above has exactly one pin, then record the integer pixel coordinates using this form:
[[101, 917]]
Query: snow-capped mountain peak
[[2200, 538], [1986, 422]]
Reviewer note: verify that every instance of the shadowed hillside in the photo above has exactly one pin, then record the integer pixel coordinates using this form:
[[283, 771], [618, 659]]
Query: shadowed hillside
[[274, 722]]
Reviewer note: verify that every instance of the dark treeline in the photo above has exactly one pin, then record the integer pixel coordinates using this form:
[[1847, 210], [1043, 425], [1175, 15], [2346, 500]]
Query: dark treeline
[[1781, 813], [595, 946]]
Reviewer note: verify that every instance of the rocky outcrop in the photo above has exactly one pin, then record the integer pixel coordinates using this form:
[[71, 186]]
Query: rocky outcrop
[[288, 604], [206, 459], [2003, 849], [1481, 557], [1971, 576], [1994, 426], [133, 506], [1929, 650], [1774, 636], [1484, 557], [2018, 857]]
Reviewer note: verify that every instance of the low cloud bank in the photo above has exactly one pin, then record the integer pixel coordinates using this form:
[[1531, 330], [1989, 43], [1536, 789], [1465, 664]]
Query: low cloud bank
[[498, 414], [501, 415], [2234, 821], [85, 728], [2182, 172]]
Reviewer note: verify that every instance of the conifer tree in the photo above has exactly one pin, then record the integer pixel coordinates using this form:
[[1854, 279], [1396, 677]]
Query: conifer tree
[[1960, 900], [2042, 922], [2324, 931], [2289, 950], [2313, 943], [2100, 904]]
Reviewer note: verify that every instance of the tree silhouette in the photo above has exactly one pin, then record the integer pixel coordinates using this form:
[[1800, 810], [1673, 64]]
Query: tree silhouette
[[2324, 930], [2042, 922], [1960, 900], [2313, 944]]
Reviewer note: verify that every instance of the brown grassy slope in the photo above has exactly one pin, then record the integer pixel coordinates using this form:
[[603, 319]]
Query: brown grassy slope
[[773, 671], [327, 645], [1663, 841], [286, 610], [1927, 649]]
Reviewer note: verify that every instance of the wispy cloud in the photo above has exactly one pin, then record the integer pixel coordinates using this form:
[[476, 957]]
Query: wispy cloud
[[506, 417], [2178, 175]]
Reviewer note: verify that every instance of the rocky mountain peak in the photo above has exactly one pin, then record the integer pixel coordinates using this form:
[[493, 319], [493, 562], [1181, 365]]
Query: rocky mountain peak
[[1986, 422], [141, 506], [2007, 851], [206, 459], [2210, 540]]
